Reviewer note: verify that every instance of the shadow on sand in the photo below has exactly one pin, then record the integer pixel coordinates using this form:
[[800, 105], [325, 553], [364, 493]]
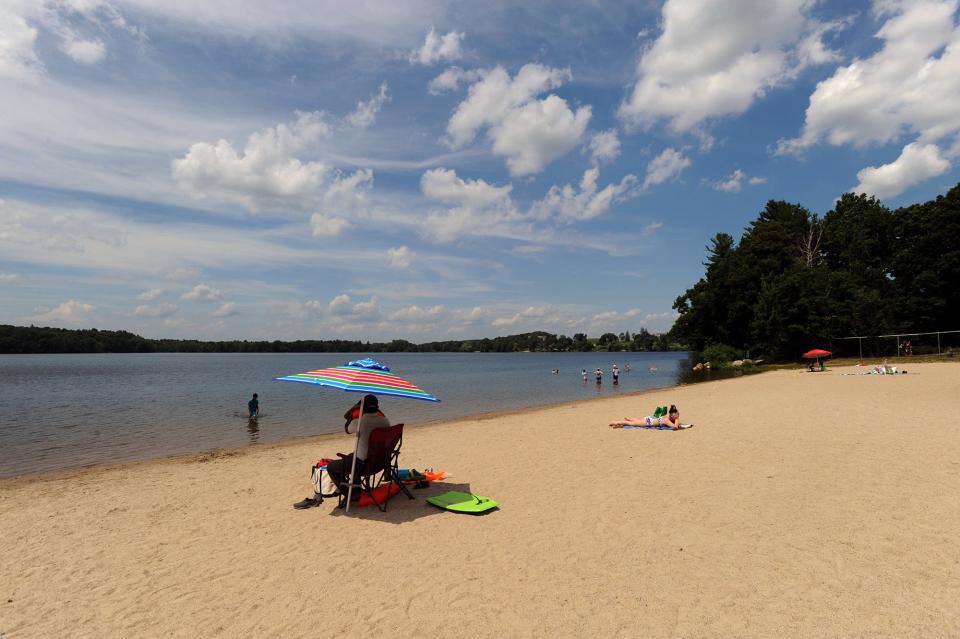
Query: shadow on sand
[[400, 508]]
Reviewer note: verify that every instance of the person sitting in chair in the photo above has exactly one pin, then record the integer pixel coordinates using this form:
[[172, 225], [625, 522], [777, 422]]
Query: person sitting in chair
[[339, 469]]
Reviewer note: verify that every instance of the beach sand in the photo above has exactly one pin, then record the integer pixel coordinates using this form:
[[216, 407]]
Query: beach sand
[[802, 505]]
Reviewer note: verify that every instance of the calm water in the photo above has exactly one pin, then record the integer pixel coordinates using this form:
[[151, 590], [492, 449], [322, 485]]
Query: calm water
[[61, 411]]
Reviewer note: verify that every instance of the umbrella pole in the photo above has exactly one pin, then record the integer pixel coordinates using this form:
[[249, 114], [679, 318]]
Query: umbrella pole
[[353, 465]]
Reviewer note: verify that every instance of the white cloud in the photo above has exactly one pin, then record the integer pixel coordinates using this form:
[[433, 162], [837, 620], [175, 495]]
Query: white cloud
[[366, 112], [58, 231], [530, 316], [400, 257], [25, 22], [266, 174], [450, 79], [345, 306], [327, 226], [605, 146], [150, 295], [158, 310], [714, 59], [116, 245], [616, 321], [203, 293], [532, 136], [566, 204], [904, 87], [734, 182], [9, 278], [348, 194], [18, 59], [495, 94], [651, 228], [346, 197], [70, 312], [914, 165], [227, 309], [367, 23], [908, 88], [666, 166], [85, 51], [437, 48], [476, 207], [414, 313], [529, 132]]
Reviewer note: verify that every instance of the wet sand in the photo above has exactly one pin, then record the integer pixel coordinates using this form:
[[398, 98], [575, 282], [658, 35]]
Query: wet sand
[[800, 504]]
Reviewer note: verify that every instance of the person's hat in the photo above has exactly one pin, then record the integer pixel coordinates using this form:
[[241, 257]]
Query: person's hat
[[370, 402]]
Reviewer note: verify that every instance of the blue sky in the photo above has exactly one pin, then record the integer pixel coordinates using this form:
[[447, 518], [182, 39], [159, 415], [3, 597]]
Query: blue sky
[[432, 170]]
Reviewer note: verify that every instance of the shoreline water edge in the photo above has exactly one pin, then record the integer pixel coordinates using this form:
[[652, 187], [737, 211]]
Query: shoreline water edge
[[79, 410], [203, 455]]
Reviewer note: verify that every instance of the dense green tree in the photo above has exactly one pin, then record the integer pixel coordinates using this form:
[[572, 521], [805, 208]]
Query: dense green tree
[[795, 280], [926, 264]]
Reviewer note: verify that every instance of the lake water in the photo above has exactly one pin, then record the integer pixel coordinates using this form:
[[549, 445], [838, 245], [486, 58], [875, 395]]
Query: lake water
[[63, 411]]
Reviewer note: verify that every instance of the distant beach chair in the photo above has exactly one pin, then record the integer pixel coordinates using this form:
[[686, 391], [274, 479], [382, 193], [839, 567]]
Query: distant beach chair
[[380, 467]]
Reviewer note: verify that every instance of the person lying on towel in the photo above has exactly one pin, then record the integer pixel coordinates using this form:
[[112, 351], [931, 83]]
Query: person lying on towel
[[671, 419]]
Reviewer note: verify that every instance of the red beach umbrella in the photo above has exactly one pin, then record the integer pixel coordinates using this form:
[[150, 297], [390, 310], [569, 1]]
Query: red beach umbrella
[[816, 353]]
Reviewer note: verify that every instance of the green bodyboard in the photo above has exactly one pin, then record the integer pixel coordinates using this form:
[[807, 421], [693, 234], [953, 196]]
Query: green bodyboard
[[463, 502]]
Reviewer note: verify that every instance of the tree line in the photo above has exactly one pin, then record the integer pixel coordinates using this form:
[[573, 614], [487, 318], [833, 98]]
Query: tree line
[[34, 339], [795, 280]]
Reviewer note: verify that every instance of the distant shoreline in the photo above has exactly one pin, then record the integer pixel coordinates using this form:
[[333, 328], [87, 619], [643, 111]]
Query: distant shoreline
[[36, 340]]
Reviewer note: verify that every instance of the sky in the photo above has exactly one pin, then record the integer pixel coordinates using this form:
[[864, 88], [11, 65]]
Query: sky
[[438, 170]]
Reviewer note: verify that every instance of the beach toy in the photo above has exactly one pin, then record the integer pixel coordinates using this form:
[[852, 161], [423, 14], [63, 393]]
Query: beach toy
[[410, 474], [459, 502]]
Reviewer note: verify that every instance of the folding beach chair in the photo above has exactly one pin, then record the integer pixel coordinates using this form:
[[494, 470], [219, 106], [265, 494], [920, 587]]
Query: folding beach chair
[[380, 467]]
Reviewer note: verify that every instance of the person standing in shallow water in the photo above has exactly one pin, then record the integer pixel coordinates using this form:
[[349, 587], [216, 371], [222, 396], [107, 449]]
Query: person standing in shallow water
[[253, 406], [616, 374], [598, 374]]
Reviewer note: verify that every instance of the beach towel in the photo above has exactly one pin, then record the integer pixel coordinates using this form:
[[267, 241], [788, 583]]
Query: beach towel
[[382, 492], [655, 427]]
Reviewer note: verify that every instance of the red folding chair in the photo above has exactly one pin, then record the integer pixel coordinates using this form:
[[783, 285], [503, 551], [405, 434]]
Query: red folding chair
[[381, 465]]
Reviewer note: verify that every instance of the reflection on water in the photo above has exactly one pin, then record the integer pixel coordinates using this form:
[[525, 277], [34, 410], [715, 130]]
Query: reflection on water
[[253, 428], [61, 411]]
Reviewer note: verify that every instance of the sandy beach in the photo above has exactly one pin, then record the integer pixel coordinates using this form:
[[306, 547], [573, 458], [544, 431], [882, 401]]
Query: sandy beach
[[803, 505]]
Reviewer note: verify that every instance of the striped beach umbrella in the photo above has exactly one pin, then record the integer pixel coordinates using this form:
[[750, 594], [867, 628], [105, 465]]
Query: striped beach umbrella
[[361, 376]]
